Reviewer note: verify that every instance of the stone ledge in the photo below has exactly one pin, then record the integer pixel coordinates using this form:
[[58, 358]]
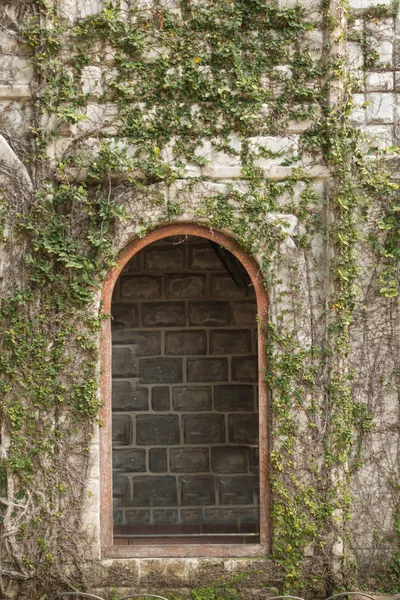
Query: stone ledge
[[15, 92]]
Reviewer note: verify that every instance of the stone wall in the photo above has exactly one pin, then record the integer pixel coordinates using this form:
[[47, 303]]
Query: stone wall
[[185, 424]]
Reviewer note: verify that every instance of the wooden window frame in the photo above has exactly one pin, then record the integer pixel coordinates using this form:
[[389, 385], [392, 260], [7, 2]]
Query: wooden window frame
[[157, 550]]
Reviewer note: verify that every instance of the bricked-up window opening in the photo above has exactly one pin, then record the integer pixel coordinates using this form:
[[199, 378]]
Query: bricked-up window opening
[[184, 397]]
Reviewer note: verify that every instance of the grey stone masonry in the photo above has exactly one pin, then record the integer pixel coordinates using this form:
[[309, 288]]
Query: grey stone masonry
[[184, 396]]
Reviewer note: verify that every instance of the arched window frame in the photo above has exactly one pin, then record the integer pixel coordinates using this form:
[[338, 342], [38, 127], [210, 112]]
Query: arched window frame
[[106, 496]]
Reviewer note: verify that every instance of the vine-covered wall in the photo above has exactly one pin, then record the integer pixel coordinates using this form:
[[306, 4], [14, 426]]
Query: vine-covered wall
[[275, 123]]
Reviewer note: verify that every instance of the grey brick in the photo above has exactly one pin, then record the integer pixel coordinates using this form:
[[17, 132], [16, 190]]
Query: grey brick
[[141, 287], [245, 313], [209, 314], [228, 459], [203, 258], [160, 370], [123, 316], [166, 517], [230, 341], [186, 342], [120, 490], [203, 429], [164, 314], [147, 343], [158, 460], [121, 430], [137, 517], [160, 398], [186, 286], [124, 363], [189, 460], [154, 491], [237, 490], [245, 369], [191, 398], [157, 430], [126, 396], [207, 369], [197, 490], [129, 460], [243, 429], [164, 258], [233, 398], [223, 286]]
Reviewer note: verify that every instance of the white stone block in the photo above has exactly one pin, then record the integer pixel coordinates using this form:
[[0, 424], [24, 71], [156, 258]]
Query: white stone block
[[15, 70], [86, 8], [379, 82], [386, 52], [358, 114], [381, 135], [367, 3], [380, 108], [356, 56], [92, 81]]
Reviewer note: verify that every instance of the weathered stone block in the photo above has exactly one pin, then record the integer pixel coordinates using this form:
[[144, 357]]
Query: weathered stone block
[[197, 490], [154, 491], [243, 429], [186, 286], [223, 286], [124, 363], [186, 342], [121, 430], [191, 398], [164, 258], [165, 314], [230, 459], [167, 517], [160, 370], [120, 490], [245, 313], [203, 258], [158, 462], [126, 396], [189, 460], [207, 369], [137, 517], [123, 316], [380, 108], [129, 460], [160, 398], [203, 429], [147, 343], [230, 341], [233, 398], [141, 287], [209, 314], [245, 369], [237, 490], [379, 81], [157, 430]]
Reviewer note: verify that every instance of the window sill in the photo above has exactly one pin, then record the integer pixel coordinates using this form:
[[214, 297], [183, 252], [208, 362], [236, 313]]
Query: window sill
[[186, 551]]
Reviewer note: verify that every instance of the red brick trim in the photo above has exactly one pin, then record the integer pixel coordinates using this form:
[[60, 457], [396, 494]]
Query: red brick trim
[[106, 501]]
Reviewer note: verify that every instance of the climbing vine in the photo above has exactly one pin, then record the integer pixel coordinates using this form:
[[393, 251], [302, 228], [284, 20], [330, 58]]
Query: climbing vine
[[143, 115]]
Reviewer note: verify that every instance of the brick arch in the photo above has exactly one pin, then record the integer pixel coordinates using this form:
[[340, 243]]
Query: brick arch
[[106, 499]]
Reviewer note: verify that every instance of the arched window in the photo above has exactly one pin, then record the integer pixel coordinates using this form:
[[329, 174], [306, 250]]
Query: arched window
[[185, 393]]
